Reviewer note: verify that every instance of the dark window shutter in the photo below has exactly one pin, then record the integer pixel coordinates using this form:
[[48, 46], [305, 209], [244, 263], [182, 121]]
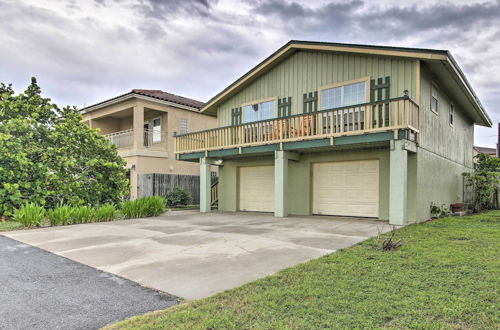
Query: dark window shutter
[[236, 116], [285, 107], [310, 102], [380, 90]]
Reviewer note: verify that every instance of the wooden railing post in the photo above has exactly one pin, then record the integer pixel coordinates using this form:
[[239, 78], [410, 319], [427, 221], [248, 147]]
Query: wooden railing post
[[393, 114]]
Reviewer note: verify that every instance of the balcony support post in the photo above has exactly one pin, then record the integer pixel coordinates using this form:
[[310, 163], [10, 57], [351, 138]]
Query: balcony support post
[[398, 183], [281, 181], [138, 122], [205, 184]]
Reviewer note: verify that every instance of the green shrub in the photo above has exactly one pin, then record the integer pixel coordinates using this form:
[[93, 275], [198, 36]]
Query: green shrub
[[78, 167], [143, 207], [106, 212], [30, 215], [154, 205], [83, 214], [178, 197], [61, 215]]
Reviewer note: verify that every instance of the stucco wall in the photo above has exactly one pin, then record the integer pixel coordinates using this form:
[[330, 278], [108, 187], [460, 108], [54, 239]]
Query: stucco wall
[[299, 178], [306, 71], [440, 182]]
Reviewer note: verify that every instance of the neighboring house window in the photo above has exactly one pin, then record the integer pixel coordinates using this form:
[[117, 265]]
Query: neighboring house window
[[156, 130], [184, 126], [343, 96], [434, 99], [452, 114], [259, 111]]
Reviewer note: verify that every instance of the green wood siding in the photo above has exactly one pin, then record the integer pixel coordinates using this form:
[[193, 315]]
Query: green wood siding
[[436, 135], [306, 71]]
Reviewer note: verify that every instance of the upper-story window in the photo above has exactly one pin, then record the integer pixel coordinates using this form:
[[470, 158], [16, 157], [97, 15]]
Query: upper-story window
[[184, 126], [156, 130], [434, 98], [343, 96], [452, 114], [259, 111]]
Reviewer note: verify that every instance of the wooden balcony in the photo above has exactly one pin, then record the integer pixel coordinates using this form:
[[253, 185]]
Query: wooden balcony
[[388, 115]]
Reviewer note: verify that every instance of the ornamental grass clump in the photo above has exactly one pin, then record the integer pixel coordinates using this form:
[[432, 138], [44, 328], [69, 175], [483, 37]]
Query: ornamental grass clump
[[60, 216], [106, 212], [143, 207], [83, 214], [30, 215]]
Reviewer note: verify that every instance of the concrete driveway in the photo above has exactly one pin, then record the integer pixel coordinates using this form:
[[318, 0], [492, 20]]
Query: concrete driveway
[[193, 255]]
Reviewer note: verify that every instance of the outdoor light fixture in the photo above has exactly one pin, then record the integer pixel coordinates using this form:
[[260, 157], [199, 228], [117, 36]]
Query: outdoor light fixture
[[405, 92], [132, 168]]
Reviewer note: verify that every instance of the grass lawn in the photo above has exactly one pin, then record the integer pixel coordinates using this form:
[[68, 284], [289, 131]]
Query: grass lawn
[[446, 275], [9, 225]]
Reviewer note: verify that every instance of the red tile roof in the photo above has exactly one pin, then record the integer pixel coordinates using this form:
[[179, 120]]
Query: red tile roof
[[153, 93], [161, 95]]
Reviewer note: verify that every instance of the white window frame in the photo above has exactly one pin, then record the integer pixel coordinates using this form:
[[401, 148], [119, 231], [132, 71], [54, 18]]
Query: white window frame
[[366, 80], [451, 117], [156, 137], [435, 88], [185, 120], [258, 102]]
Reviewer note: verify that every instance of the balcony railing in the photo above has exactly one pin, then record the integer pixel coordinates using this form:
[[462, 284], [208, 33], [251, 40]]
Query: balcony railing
[[122, 139], [125, 139], [393, 114]]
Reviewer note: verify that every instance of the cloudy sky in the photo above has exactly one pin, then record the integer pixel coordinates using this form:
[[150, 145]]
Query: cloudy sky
[[85, 51]]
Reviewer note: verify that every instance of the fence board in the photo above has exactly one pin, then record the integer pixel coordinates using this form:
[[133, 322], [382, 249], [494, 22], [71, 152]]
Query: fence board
[[160, 184]]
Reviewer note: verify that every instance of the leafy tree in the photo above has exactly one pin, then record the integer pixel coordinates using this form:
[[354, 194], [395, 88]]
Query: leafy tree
[[484, 180], [48, 156]]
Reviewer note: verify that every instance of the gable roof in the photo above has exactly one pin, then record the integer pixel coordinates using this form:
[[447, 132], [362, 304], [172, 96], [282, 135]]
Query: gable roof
[[440, 61], [184, 102]]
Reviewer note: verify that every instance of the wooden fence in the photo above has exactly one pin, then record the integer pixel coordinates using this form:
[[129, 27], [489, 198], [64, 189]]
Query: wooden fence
[[160, 184]]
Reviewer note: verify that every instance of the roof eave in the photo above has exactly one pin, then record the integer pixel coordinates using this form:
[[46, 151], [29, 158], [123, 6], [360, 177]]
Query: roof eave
[[131, 95]]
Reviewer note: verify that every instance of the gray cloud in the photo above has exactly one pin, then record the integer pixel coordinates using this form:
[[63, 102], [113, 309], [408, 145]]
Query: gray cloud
[[162, 9], [84, 52]]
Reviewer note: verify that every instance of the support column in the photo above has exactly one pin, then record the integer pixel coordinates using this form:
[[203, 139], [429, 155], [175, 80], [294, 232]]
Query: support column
[[205, 185], [138, 122], [398, 183], [281, 181]]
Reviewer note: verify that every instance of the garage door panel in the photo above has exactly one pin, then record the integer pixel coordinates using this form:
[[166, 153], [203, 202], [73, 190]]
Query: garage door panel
[[346, 188], [256, 188]]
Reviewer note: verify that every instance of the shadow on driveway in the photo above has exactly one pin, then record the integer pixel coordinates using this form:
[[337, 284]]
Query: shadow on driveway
[[40, 290]]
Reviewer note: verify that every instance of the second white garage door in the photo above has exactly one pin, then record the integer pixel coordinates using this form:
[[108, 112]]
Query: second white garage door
[[256, 188], [346, 188]]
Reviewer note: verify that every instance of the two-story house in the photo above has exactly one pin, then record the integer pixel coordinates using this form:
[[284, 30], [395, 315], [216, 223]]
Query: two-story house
[[142, 123], [338, 129]]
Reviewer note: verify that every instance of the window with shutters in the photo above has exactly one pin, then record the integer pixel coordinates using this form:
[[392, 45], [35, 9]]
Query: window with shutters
[[343, 95], [259, 111]]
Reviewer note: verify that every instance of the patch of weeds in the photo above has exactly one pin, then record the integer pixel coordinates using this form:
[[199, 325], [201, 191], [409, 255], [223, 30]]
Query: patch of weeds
[[387, 242]]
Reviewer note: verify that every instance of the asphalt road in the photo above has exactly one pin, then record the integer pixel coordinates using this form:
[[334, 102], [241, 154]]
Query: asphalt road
[[40, 290]]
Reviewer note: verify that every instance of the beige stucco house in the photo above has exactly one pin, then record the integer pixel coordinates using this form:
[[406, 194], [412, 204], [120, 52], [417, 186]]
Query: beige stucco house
[[142, 123]]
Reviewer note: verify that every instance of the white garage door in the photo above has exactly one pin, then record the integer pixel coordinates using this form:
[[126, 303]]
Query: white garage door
[[346, 188], [257, 188]]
